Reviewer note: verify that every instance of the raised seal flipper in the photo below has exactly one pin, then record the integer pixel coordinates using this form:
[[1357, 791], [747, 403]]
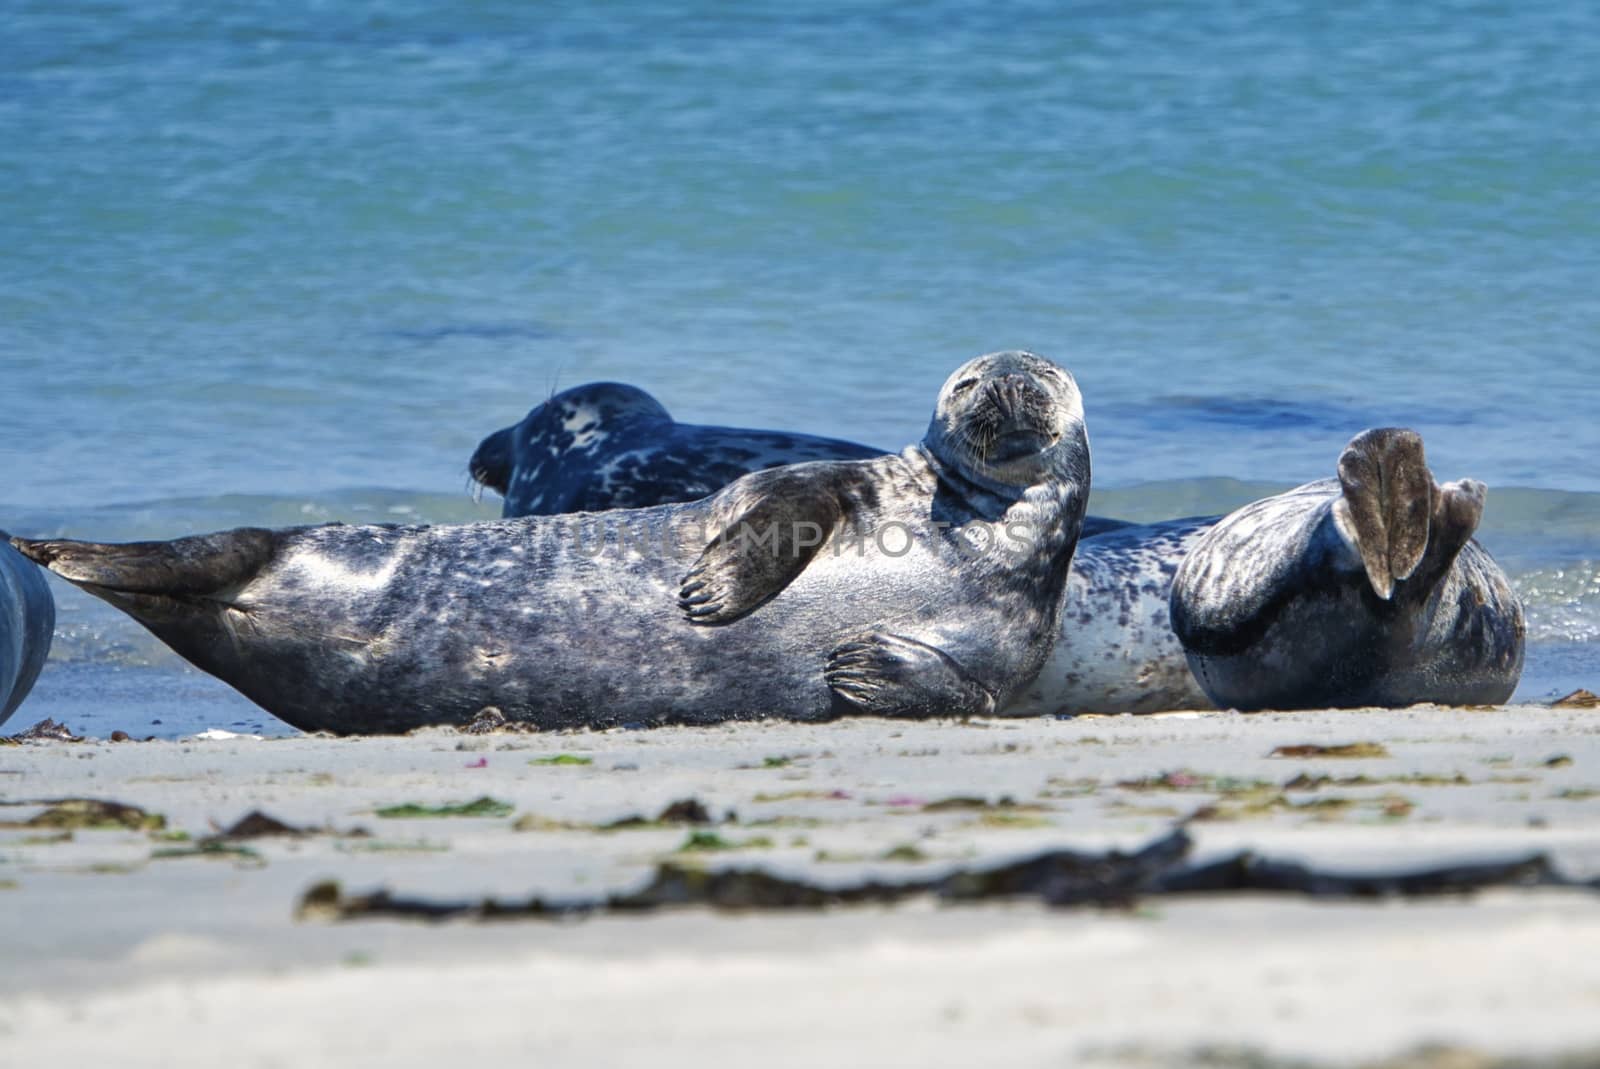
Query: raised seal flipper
[[766, 532], [1457, 510], [1387, 505], [205, 566], [883, 674]]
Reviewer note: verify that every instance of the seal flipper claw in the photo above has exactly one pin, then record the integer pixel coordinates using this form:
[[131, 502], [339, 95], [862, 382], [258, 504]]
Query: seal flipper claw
[[781, 518], [883, 674], [1387, 504]]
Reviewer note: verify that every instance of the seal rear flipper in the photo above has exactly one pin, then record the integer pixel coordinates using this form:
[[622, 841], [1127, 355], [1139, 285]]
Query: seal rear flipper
[[1457, 511], [779, 519], [201, 566], [1388, 503], [882, 674]]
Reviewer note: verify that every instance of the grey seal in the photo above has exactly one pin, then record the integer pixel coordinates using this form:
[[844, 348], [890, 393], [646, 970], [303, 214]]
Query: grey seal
[[921, 583], [27, 622], [607, 445], [1375, 592], [1284, 603]]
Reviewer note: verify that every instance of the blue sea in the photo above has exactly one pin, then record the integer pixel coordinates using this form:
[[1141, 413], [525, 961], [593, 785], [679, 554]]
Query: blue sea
[[284, 262]]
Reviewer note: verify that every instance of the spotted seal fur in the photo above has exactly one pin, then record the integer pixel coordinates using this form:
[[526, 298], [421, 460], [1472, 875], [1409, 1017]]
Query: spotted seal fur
[[921, 583]]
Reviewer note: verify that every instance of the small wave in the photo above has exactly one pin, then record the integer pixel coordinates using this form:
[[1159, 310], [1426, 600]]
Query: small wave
[[1281, 413], [1562, 604], [511, 330]]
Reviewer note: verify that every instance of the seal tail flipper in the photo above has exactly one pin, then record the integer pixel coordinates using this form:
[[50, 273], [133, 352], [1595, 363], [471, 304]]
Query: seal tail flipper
[[1388, 503], [205, 566], [1457, 511]]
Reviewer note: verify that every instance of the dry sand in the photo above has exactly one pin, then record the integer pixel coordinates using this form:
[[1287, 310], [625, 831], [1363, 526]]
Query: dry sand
[[115, 954]]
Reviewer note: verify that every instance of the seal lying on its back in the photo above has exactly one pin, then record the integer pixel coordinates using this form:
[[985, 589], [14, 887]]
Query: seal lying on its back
[[922, 583], [605, 445], [1278, 604], [1374, 592], [27, 621], [1357, 591]]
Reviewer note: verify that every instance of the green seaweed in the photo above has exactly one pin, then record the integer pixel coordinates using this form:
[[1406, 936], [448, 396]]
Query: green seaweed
[[534, 822], [1019, 818], [792, 796], [209, 848], [907, 852], [478, 807], [1307, 782], [1065, 787], [562, 759], [704, 842], [392, 846]]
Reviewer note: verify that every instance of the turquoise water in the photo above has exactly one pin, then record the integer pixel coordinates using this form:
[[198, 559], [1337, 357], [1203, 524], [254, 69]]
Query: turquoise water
[[257, 258]]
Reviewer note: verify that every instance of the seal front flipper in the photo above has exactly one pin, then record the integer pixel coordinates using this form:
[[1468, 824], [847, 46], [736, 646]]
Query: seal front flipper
[[204, 567], [883, 674], [767, 529]]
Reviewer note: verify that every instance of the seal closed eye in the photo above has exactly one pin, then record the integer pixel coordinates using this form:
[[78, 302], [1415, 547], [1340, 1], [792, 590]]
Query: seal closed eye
[[806, 592]]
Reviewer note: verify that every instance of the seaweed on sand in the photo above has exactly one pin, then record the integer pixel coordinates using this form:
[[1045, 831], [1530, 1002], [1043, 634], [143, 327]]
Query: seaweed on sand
[[1058, 878]]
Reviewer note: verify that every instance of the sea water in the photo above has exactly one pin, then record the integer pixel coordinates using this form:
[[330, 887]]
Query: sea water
[[269, 263]]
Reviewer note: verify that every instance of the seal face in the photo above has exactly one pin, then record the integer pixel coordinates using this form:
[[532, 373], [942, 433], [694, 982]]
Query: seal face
[[27, 621], [914, 584], [607, 445]]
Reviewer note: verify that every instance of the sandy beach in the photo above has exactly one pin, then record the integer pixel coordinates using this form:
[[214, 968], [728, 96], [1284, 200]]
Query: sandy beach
[[155, 941]]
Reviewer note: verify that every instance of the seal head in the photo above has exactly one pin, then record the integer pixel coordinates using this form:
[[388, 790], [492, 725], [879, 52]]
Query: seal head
[[550, 459], [1011, 419]]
